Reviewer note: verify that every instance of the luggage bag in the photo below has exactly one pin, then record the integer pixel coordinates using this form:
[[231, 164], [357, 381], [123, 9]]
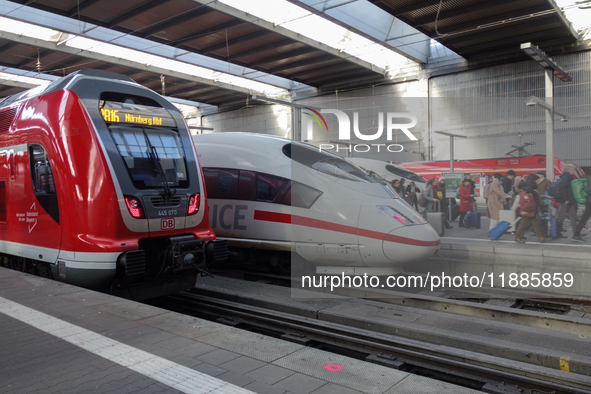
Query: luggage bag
[[551, 229], [508, 215], [436, 220], [501, 228], [473, 219]]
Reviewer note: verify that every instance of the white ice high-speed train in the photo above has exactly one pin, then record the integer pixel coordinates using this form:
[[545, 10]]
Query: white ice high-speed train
[[270, 196]]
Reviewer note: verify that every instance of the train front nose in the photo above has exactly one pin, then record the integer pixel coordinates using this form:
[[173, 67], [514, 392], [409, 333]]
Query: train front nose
[[411, 243]]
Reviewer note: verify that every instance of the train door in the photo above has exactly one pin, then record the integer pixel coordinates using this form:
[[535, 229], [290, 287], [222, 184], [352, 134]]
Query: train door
[[3, 200], [42, 218]]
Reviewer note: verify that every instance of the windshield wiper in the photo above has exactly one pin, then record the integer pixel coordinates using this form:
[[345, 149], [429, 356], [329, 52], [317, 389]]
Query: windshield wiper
[[168, 193]]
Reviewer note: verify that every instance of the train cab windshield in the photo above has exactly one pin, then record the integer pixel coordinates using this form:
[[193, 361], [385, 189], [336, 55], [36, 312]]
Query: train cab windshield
[[326, 163], [148, 142]]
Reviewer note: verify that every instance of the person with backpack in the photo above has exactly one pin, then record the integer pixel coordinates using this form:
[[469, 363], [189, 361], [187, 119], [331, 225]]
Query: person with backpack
[[586, 215], [529, 206], [495, 201], [562, 192]]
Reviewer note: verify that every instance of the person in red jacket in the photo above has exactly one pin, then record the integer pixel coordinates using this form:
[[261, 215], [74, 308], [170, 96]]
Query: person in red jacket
[[466, 200]]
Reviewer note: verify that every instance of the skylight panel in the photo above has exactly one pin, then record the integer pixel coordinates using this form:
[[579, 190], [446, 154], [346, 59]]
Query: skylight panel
[[297, 19]]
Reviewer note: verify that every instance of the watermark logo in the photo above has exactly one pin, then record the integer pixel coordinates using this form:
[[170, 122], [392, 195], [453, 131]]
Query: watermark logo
[[393, 121]]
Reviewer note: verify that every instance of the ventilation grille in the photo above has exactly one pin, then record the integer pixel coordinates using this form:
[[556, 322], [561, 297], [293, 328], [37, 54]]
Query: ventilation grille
[[135, 263], [160, 201], [220, 250], [6, 118]]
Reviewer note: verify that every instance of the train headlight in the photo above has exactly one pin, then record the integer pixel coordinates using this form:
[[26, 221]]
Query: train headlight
[[193, 204], [396, 214], [134, 206]]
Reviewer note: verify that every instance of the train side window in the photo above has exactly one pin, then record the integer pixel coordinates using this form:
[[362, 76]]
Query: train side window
[[300, 195], [268, 186], [221, 182], [3, 201], [41, 173], [246, 185]]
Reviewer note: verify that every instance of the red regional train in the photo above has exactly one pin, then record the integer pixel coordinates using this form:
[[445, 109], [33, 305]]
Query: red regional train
[[521, 166], [100, 187]]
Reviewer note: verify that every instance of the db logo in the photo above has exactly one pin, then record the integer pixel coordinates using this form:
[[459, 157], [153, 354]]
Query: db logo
[[167, 224]]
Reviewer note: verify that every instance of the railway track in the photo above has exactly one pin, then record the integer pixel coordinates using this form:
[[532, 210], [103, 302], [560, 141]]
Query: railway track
[[468, 368], [509, 305]]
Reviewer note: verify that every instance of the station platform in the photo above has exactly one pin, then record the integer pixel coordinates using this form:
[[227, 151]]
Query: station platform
[[58, 338], [471, 251]]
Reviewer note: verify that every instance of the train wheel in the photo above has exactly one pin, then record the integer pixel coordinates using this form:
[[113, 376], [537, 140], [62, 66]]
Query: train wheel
[[281, 263], [43, 270]]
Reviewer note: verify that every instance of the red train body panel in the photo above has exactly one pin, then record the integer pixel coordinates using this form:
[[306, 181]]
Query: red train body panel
[[521, 166], [72, 178]]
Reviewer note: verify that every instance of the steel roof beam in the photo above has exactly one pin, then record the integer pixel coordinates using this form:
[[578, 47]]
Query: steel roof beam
[[465, 11], [74, 11], [235, 41], [492, 19], [265, 48], [411, 7], [187, 15], [500, 43], [205, 32], [115, 60], [135, 12], [72, 26], [284, 56], [319, 70], [307, 62], [288, 33], [484, 33], [375, 24]]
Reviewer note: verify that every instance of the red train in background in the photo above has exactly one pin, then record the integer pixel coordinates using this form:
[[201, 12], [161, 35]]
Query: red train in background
[[100, 187], [521, 166]]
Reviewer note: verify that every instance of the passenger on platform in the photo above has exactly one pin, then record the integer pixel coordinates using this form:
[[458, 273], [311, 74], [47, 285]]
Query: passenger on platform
[[412, 192], [466, 200], [543, 184], [566, 199], [507, 184], [444, 203], [430, 194], [518, 183], [399, 190], [529, 204], [586, 215], [496, 197]]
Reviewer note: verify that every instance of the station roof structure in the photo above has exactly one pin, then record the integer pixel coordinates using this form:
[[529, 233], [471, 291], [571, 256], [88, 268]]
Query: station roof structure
[[485, 28], [217, 53]]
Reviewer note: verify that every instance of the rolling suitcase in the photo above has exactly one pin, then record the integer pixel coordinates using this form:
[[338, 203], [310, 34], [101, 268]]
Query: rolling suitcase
[[508, 215], [435, 219], [473, 219], [550, 228], [501, 228]]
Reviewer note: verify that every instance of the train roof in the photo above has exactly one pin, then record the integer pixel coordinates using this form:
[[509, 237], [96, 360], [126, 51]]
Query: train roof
[[62, 83]]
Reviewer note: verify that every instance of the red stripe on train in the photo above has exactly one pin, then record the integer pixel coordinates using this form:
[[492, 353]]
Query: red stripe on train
[[277, 217]]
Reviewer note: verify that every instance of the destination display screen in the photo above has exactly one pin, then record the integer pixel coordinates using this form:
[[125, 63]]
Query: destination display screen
[[114, 112]]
